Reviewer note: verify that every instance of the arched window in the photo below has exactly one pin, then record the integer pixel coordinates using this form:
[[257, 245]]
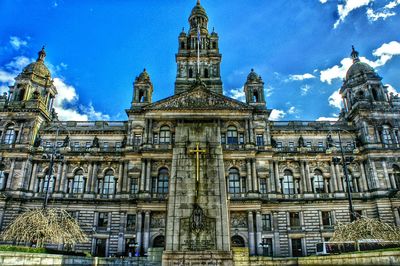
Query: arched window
[[141, 96], [396, 174], [159, 242], [214, 45], [206, 72], [232, 135], [288, 182], [21, 95], [48, 183], [318, 182], [190, 73], [78, 185], [109, 183], [3, 177], [255, 96], [374, 94], [234, 181], [162, 182], [182, 45], [237, 241], [9, 136], [165, 135]]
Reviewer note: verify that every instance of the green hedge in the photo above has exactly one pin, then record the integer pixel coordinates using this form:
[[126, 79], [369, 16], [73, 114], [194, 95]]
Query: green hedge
[[22, 249]]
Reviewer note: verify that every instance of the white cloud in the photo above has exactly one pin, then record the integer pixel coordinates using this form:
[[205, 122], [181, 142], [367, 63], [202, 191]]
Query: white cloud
[[292, 110], [277, 114], [305, 89], [17, 42], [269, 91], [382, 13], [237, 94], [323, 118], [301, 77], [93, 114], [11, 70], [335, 100], [18, 63], [323, 1], [345, 9], [384, 53]]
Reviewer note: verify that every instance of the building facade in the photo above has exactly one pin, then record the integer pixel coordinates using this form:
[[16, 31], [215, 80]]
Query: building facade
[[199, 171]]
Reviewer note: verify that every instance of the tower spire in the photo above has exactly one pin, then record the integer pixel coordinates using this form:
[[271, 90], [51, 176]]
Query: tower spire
[[354, 54], [41, 54]]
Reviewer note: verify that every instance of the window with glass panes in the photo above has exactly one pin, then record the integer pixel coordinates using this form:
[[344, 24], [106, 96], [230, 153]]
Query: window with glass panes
[[131, 222], [263, 185], [234, 181], [326, 219], [134, 185], [260, 140], [386, 138], [291, 146], [267, 247], [162, 183], [287, 182], [48, 183], [318, 182], [232, 135], [165, 135], [78, 183], [137, 139], [9, 136], [109, 183], [294, 218], [102, 220], [266, 222]]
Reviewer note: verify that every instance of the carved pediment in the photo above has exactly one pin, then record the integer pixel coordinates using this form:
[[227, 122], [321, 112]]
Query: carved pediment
[[199, 98]]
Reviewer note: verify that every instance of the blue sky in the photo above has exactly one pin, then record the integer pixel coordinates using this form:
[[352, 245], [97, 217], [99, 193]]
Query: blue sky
[[95, 49]]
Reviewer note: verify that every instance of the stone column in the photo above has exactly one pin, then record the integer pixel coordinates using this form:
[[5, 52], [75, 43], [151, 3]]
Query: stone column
[[58, 177], [33, 178], [396, 216], [94, 178], [333, 177], [308, 178], [89, 177], [146, 233], [339, 178], [391, 176], [11, 174], [303, 176], [139, 232], [250, 222], [120, 177], [258, 233], [254, 174], [252, 140], [23, 175], [142, 175], [148, 175], [272, 177], [247, 135], [146, 134], [64, 178], [364, 186], [374, 174], [385, 173], [249, 180], [150, 131], [277, 181], [125, 187]]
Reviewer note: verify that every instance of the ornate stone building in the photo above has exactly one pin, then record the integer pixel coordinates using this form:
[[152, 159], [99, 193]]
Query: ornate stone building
[[198, 171]]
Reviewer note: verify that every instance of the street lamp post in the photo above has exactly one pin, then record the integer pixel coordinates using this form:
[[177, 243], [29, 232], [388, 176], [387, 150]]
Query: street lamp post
[[345, 161]]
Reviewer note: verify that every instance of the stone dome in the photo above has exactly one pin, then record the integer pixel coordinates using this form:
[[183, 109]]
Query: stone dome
[[143, 77], [253, 76], [359, 68], [38, 68], [198, 10]]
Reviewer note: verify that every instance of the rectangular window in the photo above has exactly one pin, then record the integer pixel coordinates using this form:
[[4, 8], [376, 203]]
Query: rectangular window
[[294, 220], [263, 185], [134, 185], [266, 222], [131, 222], [74, 214], [326, 219], [223, 139], [118, 145], [102, 221], [291, 146], [297, 249], [266, 245], [59, 144], [279, 146], [241, 138], [260, 140], [105, 145], [137, 139], [155, 138], [308, 144], [76, 144], [88, 144]]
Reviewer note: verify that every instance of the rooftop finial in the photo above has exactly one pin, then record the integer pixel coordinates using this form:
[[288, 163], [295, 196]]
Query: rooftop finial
[[354, 54], [41, 54], [198, 2]]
